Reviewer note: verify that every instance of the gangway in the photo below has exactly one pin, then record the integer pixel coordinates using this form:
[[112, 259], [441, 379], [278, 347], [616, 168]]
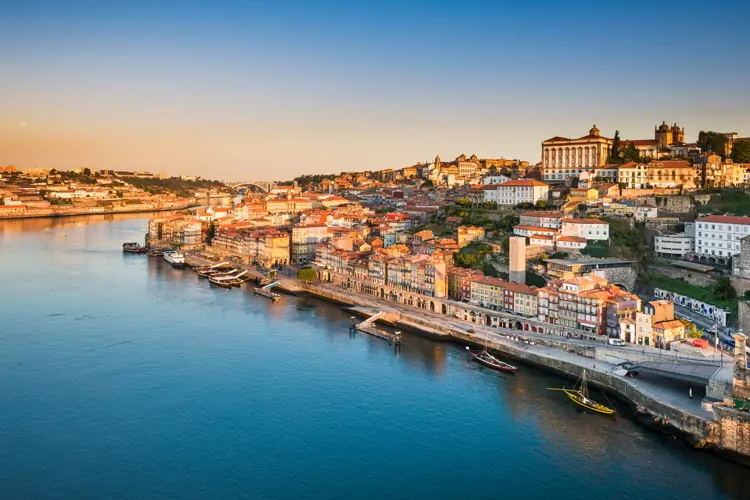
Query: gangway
[[265, 291], [368, 326]]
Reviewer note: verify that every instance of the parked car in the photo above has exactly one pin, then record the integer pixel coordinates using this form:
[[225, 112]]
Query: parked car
[[617, 342]]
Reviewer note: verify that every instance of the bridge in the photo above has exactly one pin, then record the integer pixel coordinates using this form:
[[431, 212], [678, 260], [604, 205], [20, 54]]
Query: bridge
[[692, 371], [261, 186]]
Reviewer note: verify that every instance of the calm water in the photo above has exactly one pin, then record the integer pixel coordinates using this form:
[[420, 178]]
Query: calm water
[[122, 377]]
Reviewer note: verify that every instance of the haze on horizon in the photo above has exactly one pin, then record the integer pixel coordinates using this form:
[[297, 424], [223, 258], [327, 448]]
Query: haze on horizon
[[270, 90]]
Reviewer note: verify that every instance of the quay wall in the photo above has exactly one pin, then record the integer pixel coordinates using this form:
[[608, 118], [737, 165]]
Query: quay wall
[[70, 212]]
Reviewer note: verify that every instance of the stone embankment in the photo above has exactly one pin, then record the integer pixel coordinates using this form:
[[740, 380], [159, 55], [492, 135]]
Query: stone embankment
[[652, 405], [117, 209]]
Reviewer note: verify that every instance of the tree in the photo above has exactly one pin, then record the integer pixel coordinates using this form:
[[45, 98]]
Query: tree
[[723, 289], [489, 270], [307, 274], [741, 152], [428, 184], [490, 205], [614, 153], [691, 331], [631, 153], [713, 142], [463, 202], [466, 259], [541, 204], [87, 172], [583, 208]]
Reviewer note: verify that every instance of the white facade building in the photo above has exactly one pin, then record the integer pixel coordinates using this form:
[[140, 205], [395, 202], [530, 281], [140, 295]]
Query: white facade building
[[717, 237], [563, 158], [520, 191], [495, 179], [590, 229], [674, 245]]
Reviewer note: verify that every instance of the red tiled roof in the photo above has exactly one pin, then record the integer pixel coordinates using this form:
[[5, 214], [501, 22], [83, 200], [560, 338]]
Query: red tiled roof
[[535, 228], [522, 182], [725, 219]]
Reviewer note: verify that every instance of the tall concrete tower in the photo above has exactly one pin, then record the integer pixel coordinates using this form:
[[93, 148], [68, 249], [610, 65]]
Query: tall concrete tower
[[517, 260]]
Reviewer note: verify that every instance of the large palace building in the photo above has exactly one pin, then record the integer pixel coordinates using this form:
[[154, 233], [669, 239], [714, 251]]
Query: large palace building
[[563, 158]]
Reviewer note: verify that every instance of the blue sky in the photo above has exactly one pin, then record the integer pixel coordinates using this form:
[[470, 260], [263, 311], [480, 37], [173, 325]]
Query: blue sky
[[252, 90]]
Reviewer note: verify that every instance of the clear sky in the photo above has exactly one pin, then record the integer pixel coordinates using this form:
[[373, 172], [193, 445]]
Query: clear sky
[[269, 90]]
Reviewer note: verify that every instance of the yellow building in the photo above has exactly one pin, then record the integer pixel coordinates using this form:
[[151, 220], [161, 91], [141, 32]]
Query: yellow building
[[469, 234], [584, 194]]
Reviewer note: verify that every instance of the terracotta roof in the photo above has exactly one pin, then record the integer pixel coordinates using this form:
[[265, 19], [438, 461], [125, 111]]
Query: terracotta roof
[[574, 239], [668, 325], [725, 219], [641, 142], [542, 237], [535, 228], [522, 182]]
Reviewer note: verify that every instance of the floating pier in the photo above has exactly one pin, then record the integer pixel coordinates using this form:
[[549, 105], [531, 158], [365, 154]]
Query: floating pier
[[368, 326], [265, 291]]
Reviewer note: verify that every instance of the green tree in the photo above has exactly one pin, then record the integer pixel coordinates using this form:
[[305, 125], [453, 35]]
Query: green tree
[[507, 223], [490, 205], [583, 208], [307, 274], [614, 152], [463, 202], [466, 259], [741, 152], [691, 331], [723, 289], [87, 172], [713, 142], [489, 270], [631, 153], [541, 204]]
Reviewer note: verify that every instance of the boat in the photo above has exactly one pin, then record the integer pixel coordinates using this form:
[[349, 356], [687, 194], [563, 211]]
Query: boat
[[155, 252], [175, 258], [133, 247], [580, 396], [490, 361], [222, 281]]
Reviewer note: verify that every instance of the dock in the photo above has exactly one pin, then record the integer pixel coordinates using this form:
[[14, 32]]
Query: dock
[[368, 326], [265, 291]]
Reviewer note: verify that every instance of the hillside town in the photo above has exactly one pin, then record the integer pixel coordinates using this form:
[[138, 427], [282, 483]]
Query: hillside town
[[588, 242], [646, 242]]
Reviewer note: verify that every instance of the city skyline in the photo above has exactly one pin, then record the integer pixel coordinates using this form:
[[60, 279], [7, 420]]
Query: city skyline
[[270, 91]]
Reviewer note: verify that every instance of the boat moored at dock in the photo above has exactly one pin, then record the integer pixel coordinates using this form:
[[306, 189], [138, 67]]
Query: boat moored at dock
[[133, 247], [580, 396], [485, 358], [175, 258]]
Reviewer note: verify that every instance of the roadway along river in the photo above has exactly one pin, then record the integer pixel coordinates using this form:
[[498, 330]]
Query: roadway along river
[[122, 377]]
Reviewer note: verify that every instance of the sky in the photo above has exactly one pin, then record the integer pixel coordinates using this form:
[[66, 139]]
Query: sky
[[271, 90]]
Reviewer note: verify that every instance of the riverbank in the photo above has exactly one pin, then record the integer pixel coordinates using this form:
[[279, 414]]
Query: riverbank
[[56, 212], [662, 408]]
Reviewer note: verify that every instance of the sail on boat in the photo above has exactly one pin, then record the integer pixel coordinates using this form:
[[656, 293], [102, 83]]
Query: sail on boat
[[580, 396]]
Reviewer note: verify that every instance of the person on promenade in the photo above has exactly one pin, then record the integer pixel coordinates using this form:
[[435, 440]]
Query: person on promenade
[[690, 391]]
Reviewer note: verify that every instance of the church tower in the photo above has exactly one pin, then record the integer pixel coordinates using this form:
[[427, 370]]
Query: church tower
[[595, 131], [663, 134], [678, 134]]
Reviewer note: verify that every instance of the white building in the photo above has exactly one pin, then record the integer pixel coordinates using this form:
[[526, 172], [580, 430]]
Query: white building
[[552, 220], [589, 229], [674, 245], [495, 179], [717, 237], [520, 191], [563, 158], [632, 175]]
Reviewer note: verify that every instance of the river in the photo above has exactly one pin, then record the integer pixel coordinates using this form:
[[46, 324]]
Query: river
[[122, 377]]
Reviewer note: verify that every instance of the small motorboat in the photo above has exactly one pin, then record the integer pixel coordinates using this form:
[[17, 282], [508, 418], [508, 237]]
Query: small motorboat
[[133, 247]]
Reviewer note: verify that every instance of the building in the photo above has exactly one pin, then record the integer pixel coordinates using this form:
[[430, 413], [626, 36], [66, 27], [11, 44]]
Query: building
[[589, 229], [517, 259], [552, 220], [512, 193], [717, 237], [577, 303], [305, 239], [670, 174], [174, 231], [674, 246], [468, 234], [422, 274], [741, 261], [266, 247], [563, 158], [459, 287], [666, 135], [500, 295]]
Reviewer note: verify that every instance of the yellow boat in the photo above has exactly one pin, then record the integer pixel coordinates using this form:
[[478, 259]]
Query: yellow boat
[[580, 397]]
